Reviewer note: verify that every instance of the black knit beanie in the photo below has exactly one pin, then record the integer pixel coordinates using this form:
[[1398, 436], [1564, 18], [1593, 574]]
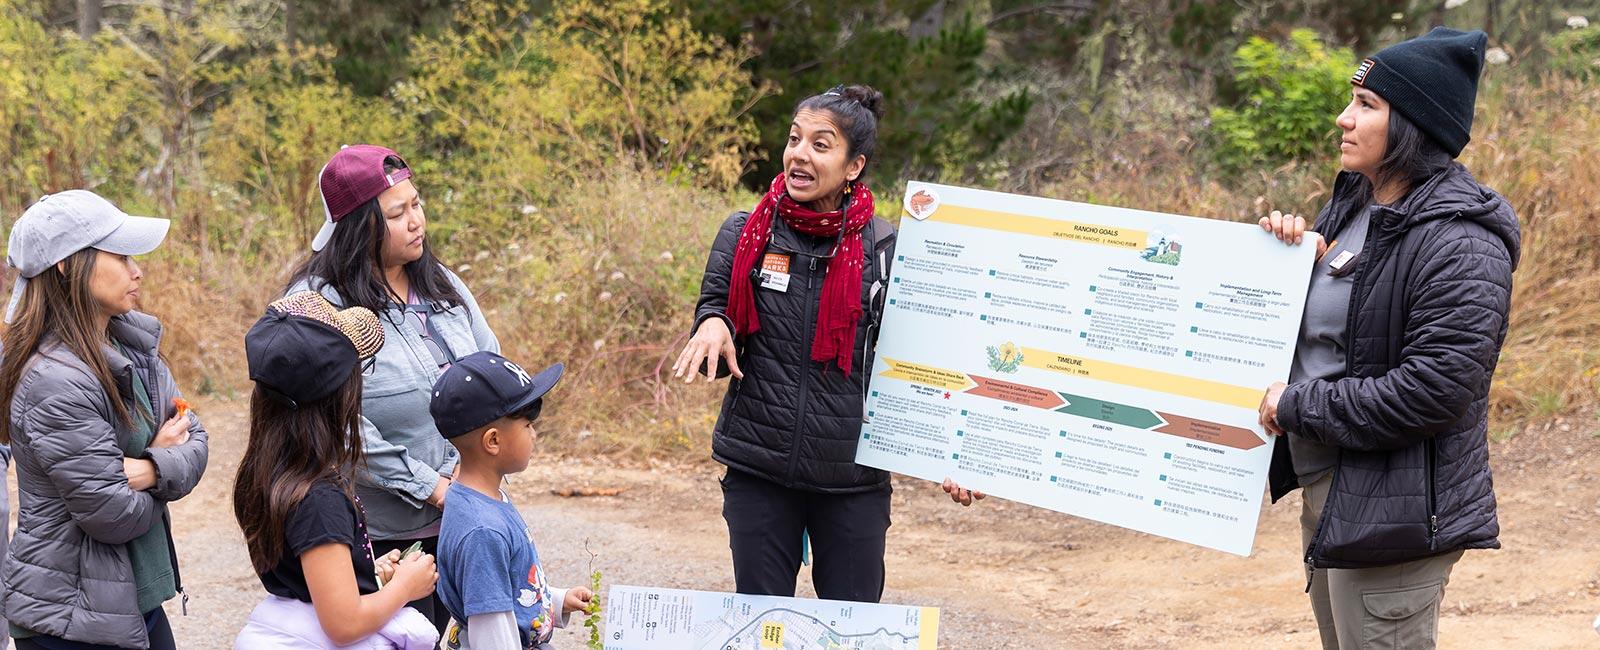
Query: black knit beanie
[[1432, 80]]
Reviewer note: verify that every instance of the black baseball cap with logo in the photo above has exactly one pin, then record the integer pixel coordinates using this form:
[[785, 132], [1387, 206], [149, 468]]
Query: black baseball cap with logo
[[483, 387]]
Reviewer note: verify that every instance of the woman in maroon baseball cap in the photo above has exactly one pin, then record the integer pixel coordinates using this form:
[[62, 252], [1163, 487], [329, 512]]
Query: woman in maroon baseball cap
[[373, 252]]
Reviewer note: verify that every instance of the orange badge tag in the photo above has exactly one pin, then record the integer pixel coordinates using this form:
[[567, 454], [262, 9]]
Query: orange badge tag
[[777, 262], [775, 272]]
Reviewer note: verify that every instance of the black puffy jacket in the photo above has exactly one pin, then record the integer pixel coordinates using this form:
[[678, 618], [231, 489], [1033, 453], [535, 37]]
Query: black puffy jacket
[[1428, 314], [791, 420]]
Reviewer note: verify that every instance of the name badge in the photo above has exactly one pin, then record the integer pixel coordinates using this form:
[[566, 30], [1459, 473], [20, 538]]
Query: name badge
[[1341, 259], [775, 272]]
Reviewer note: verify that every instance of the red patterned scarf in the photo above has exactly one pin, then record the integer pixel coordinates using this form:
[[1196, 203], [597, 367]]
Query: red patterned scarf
[[841, 288]]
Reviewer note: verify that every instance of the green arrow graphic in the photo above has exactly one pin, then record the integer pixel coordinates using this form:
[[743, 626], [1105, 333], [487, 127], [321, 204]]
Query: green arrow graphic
[[1096, 409]]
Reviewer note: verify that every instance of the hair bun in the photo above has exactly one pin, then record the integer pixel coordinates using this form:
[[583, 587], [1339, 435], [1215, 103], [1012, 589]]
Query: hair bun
[[867, 96]]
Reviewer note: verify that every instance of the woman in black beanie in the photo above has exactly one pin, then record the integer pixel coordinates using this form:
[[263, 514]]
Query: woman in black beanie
[[1386, 411]]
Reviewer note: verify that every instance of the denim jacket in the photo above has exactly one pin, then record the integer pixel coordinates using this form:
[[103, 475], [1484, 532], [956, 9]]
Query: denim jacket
[[405, 453]]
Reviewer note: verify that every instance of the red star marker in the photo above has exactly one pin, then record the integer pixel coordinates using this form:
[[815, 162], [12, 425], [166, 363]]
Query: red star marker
[[947, 395]]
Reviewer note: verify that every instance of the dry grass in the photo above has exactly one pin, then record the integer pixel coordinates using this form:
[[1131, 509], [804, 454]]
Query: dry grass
[[1539, 146], [604, 277], [1537, 143]]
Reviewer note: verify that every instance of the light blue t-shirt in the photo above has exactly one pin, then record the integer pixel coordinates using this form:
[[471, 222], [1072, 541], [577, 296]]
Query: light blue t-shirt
[[488, 564]]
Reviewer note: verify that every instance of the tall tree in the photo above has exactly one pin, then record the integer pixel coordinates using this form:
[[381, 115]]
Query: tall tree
[[371, 36], [926, 56], [88, 18]]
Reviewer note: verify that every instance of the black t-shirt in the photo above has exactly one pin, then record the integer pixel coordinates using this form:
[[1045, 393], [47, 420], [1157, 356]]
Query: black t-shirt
[[324, 516]]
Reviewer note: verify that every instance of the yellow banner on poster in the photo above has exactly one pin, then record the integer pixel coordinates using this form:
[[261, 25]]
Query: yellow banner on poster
[[917, 373], [1086, 233], [1163, 382]]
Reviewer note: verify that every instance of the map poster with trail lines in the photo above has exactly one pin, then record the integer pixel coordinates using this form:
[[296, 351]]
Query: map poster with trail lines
[[647, 618]]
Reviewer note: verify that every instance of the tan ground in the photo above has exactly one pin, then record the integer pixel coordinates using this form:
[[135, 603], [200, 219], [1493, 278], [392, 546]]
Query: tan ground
[[1005, 575]]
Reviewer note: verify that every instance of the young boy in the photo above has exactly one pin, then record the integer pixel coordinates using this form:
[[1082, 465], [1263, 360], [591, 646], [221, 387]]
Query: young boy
[[489, 573]]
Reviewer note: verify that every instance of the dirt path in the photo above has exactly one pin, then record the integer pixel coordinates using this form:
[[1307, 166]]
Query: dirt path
[[1005, 575]]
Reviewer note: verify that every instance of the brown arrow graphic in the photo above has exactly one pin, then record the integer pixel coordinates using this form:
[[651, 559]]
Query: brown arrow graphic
[[1015, 393], [1216, 434]]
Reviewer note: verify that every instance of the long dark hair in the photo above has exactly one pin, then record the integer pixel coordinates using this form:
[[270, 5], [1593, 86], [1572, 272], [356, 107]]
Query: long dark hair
[[1409, 158], [58, 301], [291, 449], [856, 109], [351, 263]]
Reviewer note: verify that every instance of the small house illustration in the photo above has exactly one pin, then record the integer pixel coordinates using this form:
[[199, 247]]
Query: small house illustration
[[1162, 249]]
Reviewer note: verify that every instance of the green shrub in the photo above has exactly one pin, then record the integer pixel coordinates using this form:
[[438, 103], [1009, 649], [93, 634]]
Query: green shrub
[[69, 110], [1576, 53], [1290, 95], [527, 106]]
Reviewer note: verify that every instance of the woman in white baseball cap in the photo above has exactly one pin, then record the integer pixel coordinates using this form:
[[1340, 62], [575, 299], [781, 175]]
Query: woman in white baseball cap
[[96, 434]]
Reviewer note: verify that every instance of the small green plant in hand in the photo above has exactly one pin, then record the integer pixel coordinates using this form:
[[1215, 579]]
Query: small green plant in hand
[[591, 618]]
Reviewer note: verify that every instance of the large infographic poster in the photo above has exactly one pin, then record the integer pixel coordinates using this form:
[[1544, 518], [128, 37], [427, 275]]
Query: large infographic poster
[[1103, 362]]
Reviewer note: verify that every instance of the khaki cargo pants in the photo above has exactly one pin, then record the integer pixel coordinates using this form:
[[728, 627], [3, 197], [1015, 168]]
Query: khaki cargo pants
[[1393, 606]]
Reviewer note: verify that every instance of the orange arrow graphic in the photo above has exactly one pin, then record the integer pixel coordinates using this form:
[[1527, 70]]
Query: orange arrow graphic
[[1015, 393], [1216, 434]]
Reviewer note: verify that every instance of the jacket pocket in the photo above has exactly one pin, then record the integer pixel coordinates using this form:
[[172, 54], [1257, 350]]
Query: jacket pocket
[[387, 379], [1433, 498], [1401, 618]]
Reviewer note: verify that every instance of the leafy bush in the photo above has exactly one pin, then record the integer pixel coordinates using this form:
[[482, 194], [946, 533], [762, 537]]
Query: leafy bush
[[1291, 94], [1576, 53], [269, 138], [68, 109], [525, 107]]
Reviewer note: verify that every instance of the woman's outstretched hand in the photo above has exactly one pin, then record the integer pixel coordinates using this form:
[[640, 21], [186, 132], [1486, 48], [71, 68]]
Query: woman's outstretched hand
[[1290, 229], [709, 342]]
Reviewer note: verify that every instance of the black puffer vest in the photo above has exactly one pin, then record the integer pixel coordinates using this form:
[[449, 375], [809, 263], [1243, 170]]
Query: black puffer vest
[[791, 420]]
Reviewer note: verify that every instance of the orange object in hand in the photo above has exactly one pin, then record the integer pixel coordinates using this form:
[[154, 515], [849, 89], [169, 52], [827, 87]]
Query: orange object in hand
[[182, 406]]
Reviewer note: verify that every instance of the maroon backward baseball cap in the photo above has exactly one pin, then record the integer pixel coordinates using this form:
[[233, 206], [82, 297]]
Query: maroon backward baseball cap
[[351, 178]]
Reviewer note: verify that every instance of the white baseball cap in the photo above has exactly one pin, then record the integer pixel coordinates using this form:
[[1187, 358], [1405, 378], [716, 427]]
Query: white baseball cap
[[61, 224]]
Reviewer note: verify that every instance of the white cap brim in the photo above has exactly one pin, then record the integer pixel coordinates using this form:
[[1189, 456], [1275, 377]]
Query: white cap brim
[[136, 236], [323, 236]]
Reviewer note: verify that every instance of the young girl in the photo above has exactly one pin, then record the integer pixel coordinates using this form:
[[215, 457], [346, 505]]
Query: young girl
[[294, 496]]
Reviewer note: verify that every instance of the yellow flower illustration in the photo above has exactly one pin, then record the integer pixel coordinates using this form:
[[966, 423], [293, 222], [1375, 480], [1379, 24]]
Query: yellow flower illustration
[[1005, 358], [1008, 352]]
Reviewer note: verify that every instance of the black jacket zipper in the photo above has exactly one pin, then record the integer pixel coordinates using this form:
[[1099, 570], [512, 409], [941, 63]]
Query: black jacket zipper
[[1374, 240], [1433, 505], [805, 374]]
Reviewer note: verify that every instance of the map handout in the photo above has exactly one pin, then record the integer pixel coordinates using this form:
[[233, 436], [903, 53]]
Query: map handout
[[647, 618]]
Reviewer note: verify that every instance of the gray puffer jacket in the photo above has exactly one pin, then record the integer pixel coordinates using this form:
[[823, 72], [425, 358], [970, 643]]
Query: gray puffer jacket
[[67, 573]]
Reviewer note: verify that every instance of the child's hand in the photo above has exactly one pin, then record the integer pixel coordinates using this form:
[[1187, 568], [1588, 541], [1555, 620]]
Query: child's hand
[[415, 576], [577, 599], [385, 566]]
